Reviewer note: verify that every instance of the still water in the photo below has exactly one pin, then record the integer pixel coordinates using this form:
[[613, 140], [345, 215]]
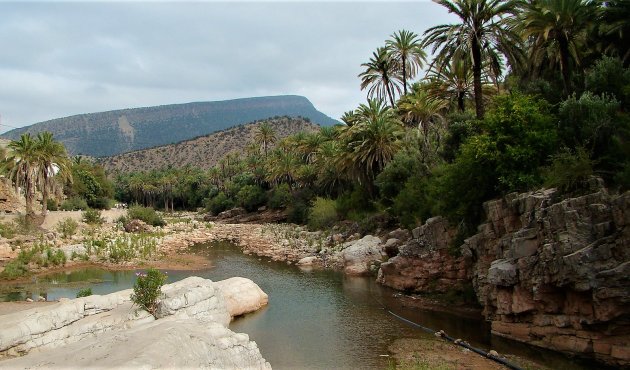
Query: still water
[[314, 320]]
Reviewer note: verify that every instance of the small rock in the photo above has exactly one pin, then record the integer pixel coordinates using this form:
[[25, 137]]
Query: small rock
[[29, 300]]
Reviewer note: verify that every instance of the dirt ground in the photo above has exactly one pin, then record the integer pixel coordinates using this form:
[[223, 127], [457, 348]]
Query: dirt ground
[[442, 355]]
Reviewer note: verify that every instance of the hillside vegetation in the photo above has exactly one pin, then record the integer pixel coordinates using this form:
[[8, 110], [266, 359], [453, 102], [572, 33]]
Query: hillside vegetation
[[119, 131], [203, 152]]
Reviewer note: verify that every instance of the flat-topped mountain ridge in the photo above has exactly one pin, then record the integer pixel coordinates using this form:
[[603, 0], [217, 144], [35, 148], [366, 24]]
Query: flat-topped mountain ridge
[[119, 131], [204, 151]]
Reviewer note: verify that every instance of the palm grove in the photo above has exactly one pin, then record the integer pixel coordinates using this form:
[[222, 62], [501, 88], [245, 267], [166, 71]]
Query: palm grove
[[518, 95]]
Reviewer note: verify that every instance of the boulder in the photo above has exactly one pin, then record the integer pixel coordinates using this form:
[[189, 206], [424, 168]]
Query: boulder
[[359, 255], [136, 226], [503, 272], [308, 261], [231, 213], [241, 295]]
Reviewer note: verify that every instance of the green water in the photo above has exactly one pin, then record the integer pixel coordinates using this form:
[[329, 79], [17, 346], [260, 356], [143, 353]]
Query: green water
[[314, 320]]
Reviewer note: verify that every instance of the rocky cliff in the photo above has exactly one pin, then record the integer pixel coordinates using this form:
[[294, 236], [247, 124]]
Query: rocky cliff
[[550, 272]]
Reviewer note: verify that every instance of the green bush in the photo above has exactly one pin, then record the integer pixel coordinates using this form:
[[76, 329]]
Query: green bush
[[358, 200], [67, 227], [280, 197], [396, 172], [146, 214], [219, 203], [14, 270], [251, 197], [608, 76], [568, 170], [92, 217], [101, 203], [85, 292], [147, 290], [7, 230], [297, 211], [412, 206], [51, 204], [322, 214], [74, 204]]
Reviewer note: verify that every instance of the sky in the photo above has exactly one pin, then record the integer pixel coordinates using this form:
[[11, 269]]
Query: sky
[[58, 58]]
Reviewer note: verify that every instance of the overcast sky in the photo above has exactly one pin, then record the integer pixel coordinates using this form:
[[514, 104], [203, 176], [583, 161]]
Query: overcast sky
[[63, 58]]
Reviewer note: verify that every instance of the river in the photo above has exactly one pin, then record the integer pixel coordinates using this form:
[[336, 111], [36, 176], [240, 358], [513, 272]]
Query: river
[[314, 320]]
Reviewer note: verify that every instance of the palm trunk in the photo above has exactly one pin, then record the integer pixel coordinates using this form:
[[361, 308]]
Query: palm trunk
[[460, 101], [389, 93], [564, 64], [404, 72], [476, 54], [44, 199]]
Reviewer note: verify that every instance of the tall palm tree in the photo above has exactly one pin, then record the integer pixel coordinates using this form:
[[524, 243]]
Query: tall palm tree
[[454, 82], [22, 167], [265, 136], [52, 160], [484, 36], [381, 75], [406, 48], [558, 30]]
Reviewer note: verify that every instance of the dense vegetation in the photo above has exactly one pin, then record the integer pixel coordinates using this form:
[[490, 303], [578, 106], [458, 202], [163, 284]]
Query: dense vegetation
[[114, 132], [520, 94]]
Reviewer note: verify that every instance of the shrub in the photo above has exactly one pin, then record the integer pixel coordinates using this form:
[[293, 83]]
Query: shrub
[[74, 204], [51, 204], [568, 169], [92, 217], [147, 290], [146, 214], [101, 203], [412, 206], [85, 292], [219, 203], [322, 214], [7, 230], [358, 200], [251, 197], [67, 227], [300, 203], [280, 197], [14, 269], [398, 170]]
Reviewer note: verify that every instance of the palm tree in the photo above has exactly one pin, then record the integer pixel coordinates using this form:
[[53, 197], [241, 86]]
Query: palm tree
[[406, 48], [265, 136], [419, 108], [52, 160], [484, 36], [615, 28], [370, 145], [558, 30], [454, 82], [22, 166], [381, 75]]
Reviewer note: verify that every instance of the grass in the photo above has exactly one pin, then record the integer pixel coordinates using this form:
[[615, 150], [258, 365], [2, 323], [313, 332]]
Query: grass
[[123, 248]]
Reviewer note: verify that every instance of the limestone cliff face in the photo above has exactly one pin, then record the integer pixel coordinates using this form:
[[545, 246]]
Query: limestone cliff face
[[550, 272], [557, 273]]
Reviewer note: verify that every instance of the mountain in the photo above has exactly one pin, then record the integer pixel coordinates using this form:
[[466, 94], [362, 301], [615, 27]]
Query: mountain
[[205, 151], [119, 131]]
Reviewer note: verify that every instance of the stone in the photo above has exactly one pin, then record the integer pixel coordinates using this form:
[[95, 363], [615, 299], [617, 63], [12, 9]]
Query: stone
[[391, 247], [359, 255], [400, 234], [502, 273], [308, 261], [241, 295], [167, 343], [136, 226]]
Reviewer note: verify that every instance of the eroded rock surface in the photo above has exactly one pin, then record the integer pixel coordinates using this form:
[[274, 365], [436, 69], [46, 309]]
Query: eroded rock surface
[[97, 330], [557, 273]]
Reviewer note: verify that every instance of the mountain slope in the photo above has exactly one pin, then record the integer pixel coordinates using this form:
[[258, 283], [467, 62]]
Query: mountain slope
[[119, 131], [205, 151]]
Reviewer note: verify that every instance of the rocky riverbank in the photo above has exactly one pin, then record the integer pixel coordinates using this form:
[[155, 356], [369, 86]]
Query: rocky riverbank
[[189, 330], [549, 272]]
